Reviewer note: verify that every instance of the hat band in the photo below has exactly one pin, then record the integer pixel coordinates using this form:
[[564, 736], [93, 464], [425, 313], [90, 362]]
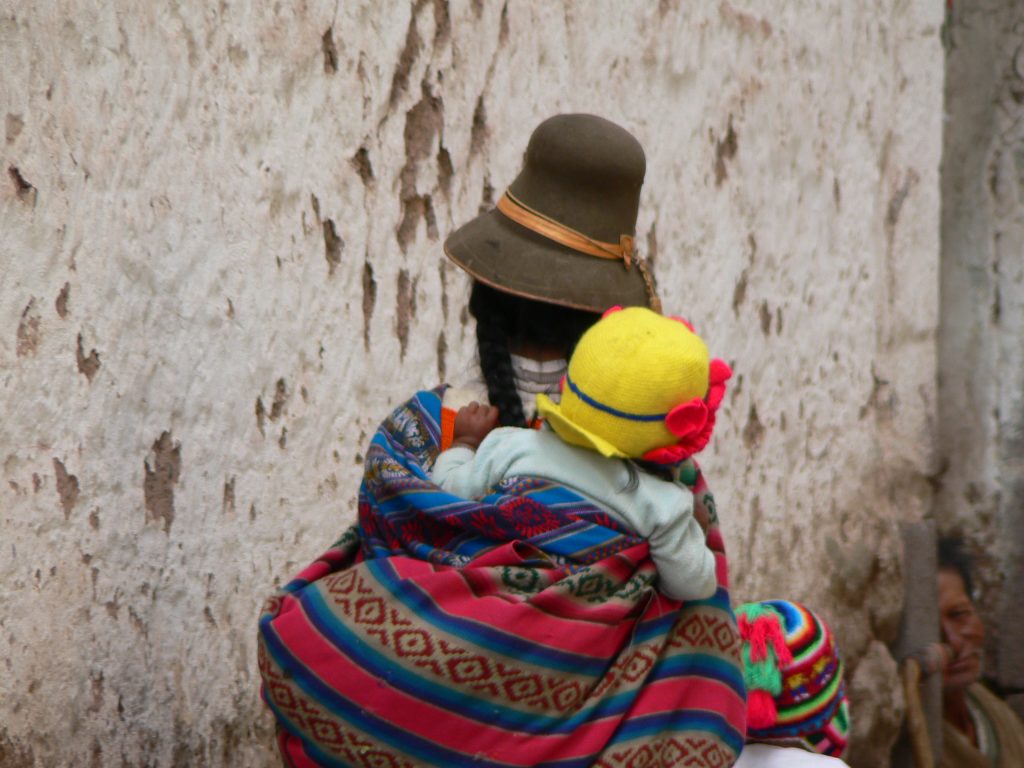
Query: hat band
[[607, 408], [543, 225]]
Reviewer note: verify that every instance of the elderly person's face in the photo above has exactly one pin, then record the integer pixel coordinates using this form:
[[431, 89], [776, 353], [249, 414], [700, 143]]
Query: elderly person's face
[[961, 629]]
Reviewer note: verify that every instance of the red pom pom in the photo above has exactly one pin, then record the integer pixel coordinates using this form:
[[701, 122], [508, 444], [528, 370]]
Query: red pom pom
[[718, 373], [694, 421], [611, 310], [684, 321], [687, 418], [761, 711]]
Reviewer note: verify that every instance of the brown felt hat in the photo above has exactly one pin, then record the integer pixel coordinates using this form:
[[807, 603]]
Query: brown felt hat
[[580, 184]]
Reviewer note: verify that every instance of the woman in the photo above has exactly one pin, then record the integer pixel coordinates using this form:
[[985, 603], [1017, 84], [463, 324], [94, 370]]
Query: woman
[[979, 729], [523, 628]]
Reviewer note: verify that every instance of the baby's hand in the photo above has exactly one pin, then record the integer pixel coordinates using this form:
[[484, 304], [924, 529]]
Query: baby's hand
[[473, 422]]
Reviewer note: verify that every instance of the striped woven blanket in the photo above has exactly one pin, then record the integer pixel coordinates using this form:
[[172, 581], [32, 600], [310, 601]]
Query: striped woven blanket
[[523, 629]]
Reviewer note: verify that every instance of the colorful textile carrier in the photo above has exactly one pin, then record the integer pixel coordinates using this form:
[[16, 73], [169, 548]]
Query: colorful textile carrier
[[520, 630]]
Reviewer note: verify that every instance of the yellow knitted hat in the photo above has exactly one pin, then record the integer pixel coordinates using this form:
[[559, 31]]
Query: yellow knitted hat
[[639, 385]]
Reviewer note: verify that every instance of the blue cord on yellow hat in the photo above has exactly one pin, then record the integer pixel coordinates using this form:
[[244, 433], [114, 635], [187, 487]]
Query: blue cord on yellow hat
[[641, 386]]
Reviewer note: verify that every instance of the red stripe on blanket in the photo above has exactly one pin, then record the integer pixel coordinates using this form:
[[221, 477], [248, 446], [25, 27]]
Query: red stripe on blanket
[[425, 720], [598, 628]]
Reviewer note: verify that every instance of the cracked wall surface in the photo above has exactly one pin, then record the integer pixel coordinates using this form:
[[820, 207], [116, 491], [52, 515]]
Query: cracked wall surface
[[981, 356], [221, 266]]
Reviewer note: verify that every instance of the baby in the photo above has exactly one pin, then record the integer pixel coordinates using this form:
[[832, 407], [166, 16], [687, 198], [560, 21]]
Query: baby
[[639, 386]]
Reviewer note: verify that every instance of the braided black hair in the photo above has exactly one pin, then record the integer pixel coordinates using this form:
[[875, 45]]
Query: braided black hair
[[502, 318]]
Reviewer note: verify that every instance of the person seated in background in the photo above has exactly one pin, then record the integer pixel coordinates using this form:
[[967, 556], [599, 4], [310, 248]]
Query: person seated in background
[[979, 729], [797, 711]]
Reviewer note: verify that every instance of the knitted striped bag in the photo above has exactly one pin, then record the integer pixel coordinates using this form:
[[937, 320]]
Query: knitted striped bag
[[519, 630]]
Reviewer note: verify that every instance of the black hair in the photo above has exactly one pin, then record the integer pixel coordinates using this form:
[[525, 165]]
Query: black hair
[[953, 556], [502, 318], [632, 476]]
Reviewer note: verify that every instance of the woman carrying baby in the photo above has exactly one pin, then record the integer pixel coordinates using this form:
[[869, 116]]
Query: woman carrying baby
[[524, 627]]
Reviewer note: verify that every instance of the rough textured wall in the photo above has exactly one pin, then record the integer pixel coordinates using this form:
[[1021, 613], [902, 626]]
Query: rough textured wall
[[981, 357], [221, 265], [819, 237]]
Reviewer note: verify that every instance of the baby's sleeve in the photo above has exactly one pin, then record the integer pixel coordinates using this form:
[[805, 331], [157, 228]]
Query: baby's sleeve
[[469, 474], [454, 471], [686, 567]]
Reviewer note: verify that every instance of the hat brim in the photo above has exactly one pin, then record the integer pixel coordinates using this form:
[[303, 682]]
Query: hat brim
[[511, 258], [573, 433]]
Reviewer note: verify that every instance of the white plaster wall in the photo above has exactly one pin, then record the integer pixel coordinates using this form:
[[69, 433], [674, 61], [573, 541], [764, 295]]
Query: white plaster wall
[[220, 264], [820, 250]]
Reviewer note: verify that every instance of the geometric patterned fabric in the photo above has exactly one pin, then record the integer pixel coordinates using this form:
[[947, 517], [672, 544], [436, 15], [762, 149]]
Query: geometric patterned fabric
[[523, 629]]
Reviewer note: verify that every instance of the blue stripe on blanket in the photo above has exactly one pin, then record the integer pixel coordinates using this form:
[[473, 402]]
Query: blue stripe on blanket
[[701, 665], [420, 603], [400, 739], [649, 725], [471, 706], [360, 718]]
